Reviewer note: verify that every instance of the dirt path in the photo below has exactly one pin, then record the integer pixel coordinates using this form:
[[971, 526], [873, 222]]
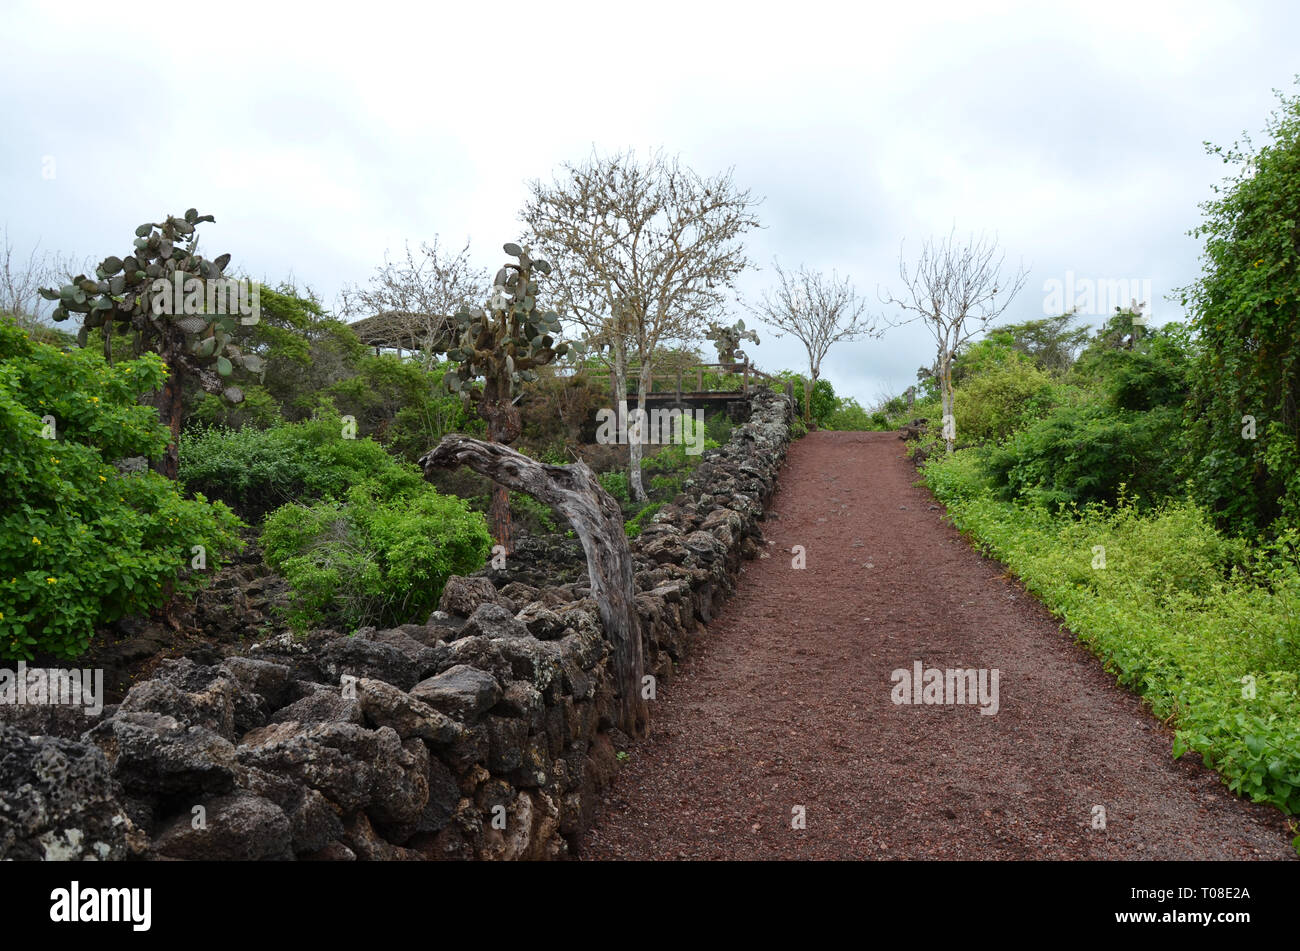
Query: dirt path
[[786, 703]]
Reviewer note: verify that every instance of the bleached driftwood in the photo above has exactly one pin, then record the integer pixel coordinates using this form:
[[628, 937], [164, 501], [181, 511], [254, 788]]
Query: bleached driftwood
[[598, 522]]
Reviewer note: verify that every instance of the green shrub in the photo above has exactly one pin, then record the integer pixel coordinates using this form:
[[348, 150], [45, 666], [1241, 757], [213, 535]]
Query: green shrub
[[381, 555], [634, 526], [1246, 314], [616, 484], [1081, 454], [990, 405], [81, 544], [255, 471], [666, 486], [849, 415], [718, 427], [531, 515], [258, 411], [1202, 628]]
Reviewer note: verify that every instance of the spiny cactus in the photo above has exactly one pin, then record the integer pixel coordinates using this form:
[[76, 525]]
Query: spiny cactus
[[138, 294], [727, 341], [501, 344]]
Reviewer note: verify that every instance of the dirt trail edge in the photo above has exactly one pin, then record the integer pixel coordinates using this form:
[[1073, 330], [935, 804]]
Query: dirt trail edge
[[786, 703]]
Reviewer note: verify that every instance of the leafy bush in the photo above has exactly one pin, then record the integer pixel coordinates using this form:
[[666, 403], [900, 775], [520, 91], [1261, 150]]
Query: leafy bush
[[1081, 454], [1205, 631], [1246, 314], [666, 486], [381, 555], [718, 427], [403, 405], [1003, 398], [80, 543], [634, 526], [616, 484], [531, 515], [255, 471], [849, 415], [258, 410]]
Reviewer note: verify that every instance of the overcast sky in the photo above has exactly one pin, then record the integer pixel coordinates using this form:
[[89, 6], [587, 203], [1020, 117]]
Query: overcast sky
[[319, 136]]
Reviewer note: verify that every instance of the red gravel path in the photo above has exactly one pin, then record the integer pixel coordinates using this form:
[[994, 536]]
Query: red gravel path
[[786, 702]]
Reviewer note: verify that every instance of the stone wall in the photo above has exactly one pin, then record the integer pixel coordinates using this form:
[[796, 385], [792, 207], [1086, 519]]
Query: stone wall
[[485, 733]]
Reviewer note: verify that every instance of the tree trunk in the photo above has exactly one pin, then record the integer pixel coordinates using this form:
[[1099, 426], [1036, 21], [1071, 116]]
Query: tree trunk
[[807, 401], [503, 426], [171, 407], [499, 517], [945, 392], [634, 445], [598, 521]]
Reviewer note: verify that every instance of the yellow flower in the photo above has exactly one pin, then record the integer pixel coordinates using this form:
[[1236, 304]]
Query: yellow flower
[[102, 479], [51, 580], [94, 399], [35, 540]]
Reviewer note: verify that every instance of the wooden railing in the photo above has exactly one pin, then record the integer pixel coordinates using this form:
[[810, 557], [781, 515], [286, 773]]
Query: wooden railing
[[679, 378]]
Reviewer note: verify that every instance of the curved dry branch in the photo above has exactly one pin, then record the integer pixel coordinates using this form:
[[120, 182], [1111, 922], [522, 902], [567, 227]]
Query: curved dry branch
[[598, 522]]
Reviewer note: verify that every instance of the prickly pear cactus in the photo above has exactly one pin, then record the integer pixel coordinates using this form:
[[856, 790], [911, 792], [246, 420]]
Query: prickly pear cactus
[[174, 302], [502, 343], [124, 296], [727, 341], [497, 348]]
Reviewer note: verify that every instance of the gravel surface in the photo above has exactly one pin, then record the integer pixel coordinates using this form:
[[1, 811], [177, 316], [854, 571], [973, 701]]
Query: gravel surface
[[786, 703]]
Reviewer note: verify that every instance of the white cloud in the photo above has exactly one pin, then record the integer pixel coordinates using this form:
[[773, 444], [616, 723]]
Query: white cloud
[[320, 137]]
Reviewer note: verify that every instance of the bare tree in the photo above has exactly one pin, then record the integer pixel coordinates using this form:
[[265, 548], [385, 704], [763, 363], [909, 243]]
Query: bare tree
[[645, 252], [20, 282], [818, 311], [954, 289], [418, 293]]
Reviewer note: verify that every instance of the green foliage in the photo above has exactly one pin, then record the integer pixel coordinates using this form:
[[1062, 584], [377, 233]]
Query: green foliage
[[193, 341], [718, 427], [824, 401], [1124, 429], [1049, 343], [1246, 314], [1152, 372], [258, 410], [255, 471], [616, 484], [1081, 454], [850, 415], [80, 543], [403, 404], [673, 458], [1205, 630], [380, 555], [1009, 393], [637, 523], [503, 344], [531, 515]]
